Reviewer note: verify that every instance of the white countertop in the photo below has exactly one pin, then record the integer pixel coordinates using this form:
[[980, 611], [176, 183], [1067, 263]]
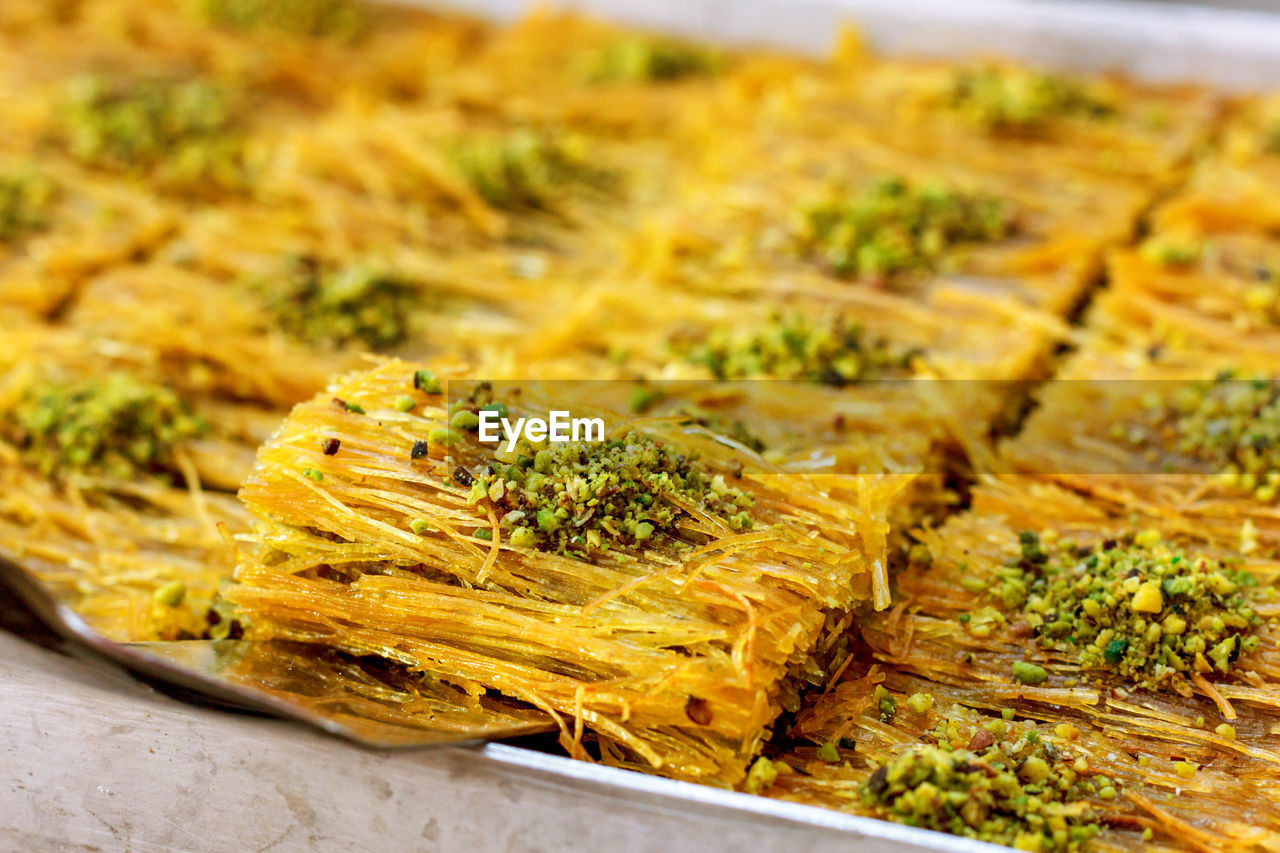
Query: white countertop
[[91, 759]]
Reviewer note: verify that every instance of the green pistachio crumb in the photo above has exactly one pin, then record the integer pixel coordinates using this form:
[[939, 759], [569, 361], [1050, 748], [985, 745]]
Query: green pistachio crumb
[[651, 59], [171, 594], [499, 409], [444, 436], [919, 555], [342, 20], [1007, 714], [465, 419], [313, 474], [419, 526], [828, 753], [887, 703], [920, 703], [26, 202], [643, 399], [404, 403], [1029, 673], [1168, 251], [523, 537], [427, 382], [763, 773]]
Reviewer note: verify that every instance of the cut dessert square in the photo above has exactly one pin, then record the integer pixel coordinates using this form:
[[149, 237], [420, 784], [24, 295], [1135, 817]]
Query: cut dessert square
[[105, 472], [1073, 607], [665, 591], [59, 225], [892, 745], [1170, 408]]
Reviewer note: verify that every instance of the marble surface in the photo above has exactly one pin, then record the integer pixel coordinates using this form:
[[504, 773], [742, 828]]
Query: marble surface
[[91, 759]]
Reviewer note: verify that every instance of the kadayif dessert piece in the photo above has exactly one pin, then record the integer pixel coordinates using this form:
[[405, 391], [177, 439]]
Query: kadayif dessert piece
[[661, 595]]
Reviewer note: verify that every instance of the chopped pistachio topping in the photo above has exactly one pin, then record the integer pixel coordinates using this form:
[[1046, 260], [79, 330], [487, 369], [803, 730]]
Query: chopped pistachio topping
[[643, 399], [115, 424], [893, 227], [1263, 298], [920, 703], [1005, 786], [1029, 673], [587, 497], [351, 305], [427, 382], [171, 594], [341, 19], [25, 204], [1229, 422], [439, 436], [886, 702], [1269, 138], [524, 169], [1171, 251], [1142, 608], [182, 131], [762, 774], [832, 350], [1021, 101], [652, 59]]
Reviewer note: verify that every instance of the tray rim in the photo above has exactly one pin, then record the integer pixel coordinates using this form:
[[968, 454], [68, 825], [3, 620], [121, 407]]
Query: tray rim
[[1232, 49]]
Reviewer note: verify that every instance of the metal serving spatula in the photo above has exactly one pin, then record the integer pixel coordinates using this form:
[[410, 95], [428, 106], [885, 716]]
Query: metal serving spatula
[[337, 694]]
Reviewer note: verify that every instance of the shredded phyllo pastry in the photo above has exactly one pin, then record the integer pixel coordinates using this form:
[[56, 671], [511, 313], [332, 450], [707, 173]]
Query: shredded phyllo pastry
[[638, 584], [267, 268]]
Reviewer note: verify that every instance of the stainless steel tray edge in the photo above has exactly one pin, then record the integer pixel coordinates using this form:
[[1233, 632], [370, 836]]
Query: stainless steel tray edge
[[1235, 49], [666, 795]]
